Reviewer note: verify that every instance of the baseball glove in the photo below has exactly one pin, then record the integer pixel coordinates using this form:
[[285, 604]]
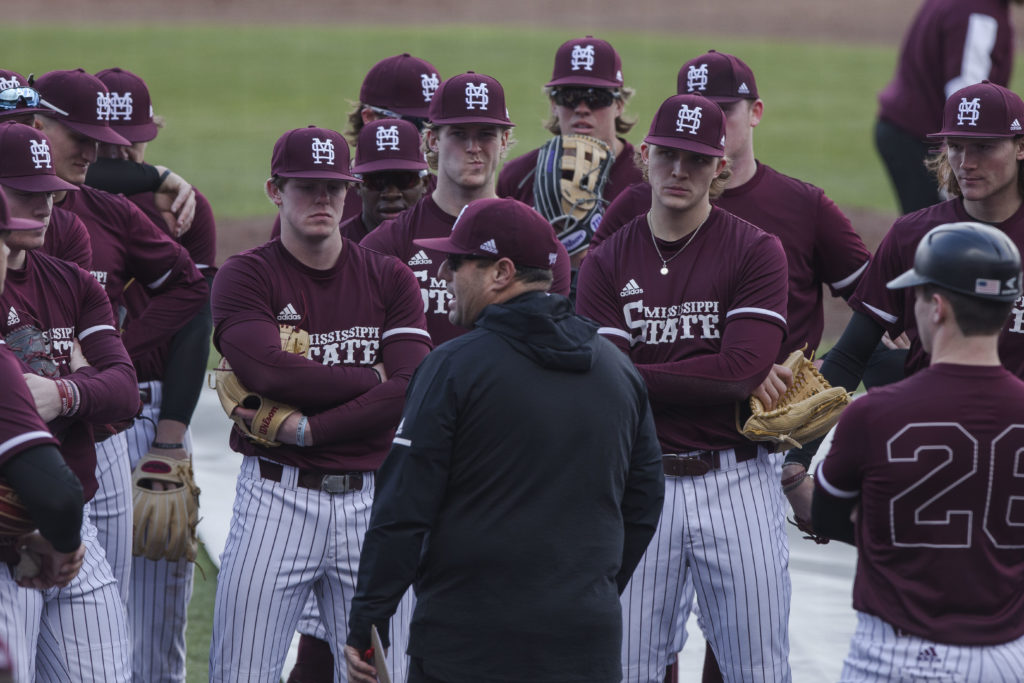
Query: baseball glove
[[568, 185], [808, 409], [270, 414], [165, 521], [31, 348]]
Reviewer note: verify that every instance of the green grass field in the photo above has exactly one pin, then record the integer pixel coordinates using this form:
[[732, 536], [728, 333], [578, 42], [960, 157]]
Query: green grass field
[[228, 92]]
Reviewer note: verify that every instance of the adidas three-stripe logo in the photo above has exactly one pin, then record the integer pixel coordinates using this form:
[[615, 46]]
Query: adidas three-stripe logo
[[12, 317], [490, 246], [631, 288], [420, 259], [289, 313]]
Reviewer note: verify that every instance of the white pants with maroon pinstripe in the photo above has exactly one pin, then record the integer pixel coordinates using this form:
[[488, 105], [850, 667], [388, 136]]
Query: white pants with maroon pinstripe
[[284, 543], [78, 633], [112, 508], [881, 654], [723, 536], [160, 590]]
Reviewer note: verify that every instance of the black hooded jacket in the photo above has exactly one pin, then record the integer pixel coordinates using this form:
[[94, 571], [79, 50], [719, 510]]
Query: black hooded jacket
[[523, 486]]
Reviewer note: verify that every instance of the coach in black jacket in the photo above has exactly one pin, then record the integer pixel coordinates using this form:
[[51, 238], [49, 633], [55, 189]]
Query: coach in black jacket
[[524, 482]]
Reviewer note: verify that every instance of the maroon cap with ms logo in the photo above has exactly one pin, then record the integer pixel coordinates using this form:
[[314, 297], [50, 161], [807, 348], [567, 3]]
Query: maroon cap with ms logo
[[311, 153], [131, 110], [588, 62], [388, 145], [717, 76], [982, 110], [81, 102], [25, 160], [470, 98], [402, 84], [689, 122]]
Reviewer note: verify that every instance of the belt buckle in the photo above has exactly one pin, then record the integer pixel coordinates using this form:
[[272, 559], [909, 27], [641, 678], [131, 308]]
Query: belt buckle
[[693, 466], [335, 483]]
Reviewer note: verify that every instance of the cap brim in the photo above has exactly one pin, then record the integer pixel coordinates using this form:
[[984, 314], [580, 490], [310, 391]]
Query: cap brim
[[441, 244], [8, 114], [95, 131], [137, 132], [967, 134], [389, 165], [21, 224], [909, 279], [472, 119], [44, 182], [319, 175], [584, 81], [417, 112], [682, 143]]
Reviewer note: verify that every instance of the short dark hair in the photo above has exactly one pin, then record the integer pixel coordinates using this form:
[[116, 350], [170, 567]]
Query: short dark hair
[[530, 275], [974, 315]]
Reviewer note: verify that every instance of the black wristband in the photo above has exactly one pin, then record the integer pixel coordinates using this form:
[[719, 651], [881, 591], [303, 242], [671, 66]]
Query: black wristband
[[163, 177], [167, 446]]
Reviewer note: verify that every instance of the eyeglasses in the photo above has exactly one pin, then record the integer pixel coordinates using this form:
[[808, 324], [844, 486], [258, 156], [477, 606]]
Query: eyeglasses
[[16, 98], [400, 180], [455, 261], [417, 121], [594, 98]]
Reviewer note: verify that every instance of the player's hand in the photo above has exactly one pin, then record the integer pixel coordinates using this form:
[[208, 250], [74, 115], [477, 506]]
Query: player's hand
[[359, 670], [289, 431], [177, 197], [379, 367], [45, 394], [56, 569], [77, 359], [800, 497], [169, 432], [774, 386], [899, 343]]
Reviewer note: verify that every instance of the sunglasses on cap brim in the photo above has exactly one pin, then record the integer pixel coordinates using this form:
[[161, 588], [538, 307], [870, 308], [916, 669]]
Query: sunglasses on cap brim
[[24, 97], [594, 98], [417, 121]]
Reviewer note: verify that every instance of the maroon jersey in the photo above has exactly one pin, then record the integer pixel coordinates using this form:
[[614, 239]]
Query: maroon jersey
[[940, 537], [127, 245], [427, 220], [21, 427], [65, 302], [950, 44], [822, 248], [894, 309], [730, 272], [67, 238], [354, 228], [201, 243], [355, 313], [516, 177]]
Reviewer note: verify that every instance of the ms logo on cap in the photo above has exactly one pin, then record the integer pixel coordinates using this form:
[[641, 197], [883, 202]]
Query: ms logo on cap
[[8, 83], [688, 120], [582, 56], [40, 153], [697, 78], [102, 106], [121, 106], [968, 112], [323, 151], [387, 137], [430, 83], [476, 96]]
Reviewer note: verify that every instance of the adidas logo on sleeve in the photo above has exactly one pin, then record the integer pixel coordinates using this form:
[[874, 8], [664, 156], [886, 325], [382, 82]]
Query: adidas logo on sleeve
[[631, 289], [289, 313], [12, 317]]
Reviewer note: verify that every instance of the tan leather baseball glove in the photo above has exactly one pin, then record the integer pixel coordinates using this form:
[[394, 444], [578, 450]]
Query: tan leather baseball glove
[[165, 521]]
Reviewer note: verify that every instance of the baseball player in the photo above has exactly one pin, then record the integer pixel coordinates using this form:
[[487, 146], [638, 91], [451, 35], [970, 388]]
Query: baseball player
[[32, 467], [697, 298], [930, 466], [465, 140], [170, 379], [81, 630], [950, 44], [588, 97], [390, 164], [305, 504], [126, 245]]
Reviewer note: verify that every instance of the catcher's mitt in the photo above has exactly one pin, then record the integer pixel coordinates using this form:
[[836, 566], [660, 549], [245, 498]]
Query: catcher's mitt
[[270, 414], [568, 184], [165, 521], [30, 346], [808, 409]]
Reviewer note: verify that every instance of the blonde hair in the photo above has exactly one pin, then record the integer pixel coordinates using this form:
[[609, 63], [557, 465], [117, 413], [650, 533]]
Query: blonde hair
[[938, 165], [431, 156], [717, 184]]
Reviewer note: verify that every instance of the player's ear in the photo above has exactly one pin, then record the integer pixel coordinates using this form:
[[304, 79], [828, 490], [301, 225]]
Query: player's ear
[[1018, 143], [756, 112], [430, 137], [273, 192], [720, 166], [503, 273], [645, 152], [368, 115]]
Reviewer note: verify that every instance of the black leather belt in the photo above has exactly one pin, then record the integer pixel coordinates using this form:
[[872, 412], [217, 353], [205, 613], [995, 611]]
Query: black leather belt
[[316, 481], [699, 463], [146, 395]]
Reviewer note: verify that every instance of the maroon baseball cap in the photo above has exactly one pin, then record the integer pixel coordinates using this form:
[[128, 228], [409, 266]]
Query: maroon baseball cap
[[691, 122], [402, 84], [131, 111], [25, 161], [17, 97], [311, 152], [982, 110], [389, 145], [8, 223], [717, 76], [81, 102], [470, 98], [588, 62], [500, 228]]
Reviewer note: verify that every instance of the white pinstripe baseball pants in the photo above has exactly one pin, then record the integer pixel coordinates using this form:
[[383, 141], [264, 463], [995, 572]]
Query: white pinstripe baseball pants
[[722, 535], [112, 508]]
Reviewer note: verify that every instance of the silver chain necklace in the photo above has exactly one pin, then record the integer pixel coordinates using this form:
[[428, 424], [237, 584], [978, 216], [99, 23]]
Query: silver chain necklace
[[654, 241]]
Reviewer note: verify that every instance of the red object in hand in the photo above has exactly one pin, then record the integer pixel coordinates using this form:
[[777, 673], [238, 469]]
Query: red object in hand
[[368, 655]]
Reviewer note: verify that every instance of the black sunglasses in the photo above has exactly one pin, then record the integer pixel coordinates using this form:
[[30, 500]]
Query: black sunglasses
[[401, 180], [455, 261], [594, 98], [417, 121]]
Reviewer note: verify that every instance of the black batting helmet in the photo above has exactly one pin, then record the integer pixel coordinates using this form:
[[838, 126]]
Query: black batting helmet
[[968, 258]]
